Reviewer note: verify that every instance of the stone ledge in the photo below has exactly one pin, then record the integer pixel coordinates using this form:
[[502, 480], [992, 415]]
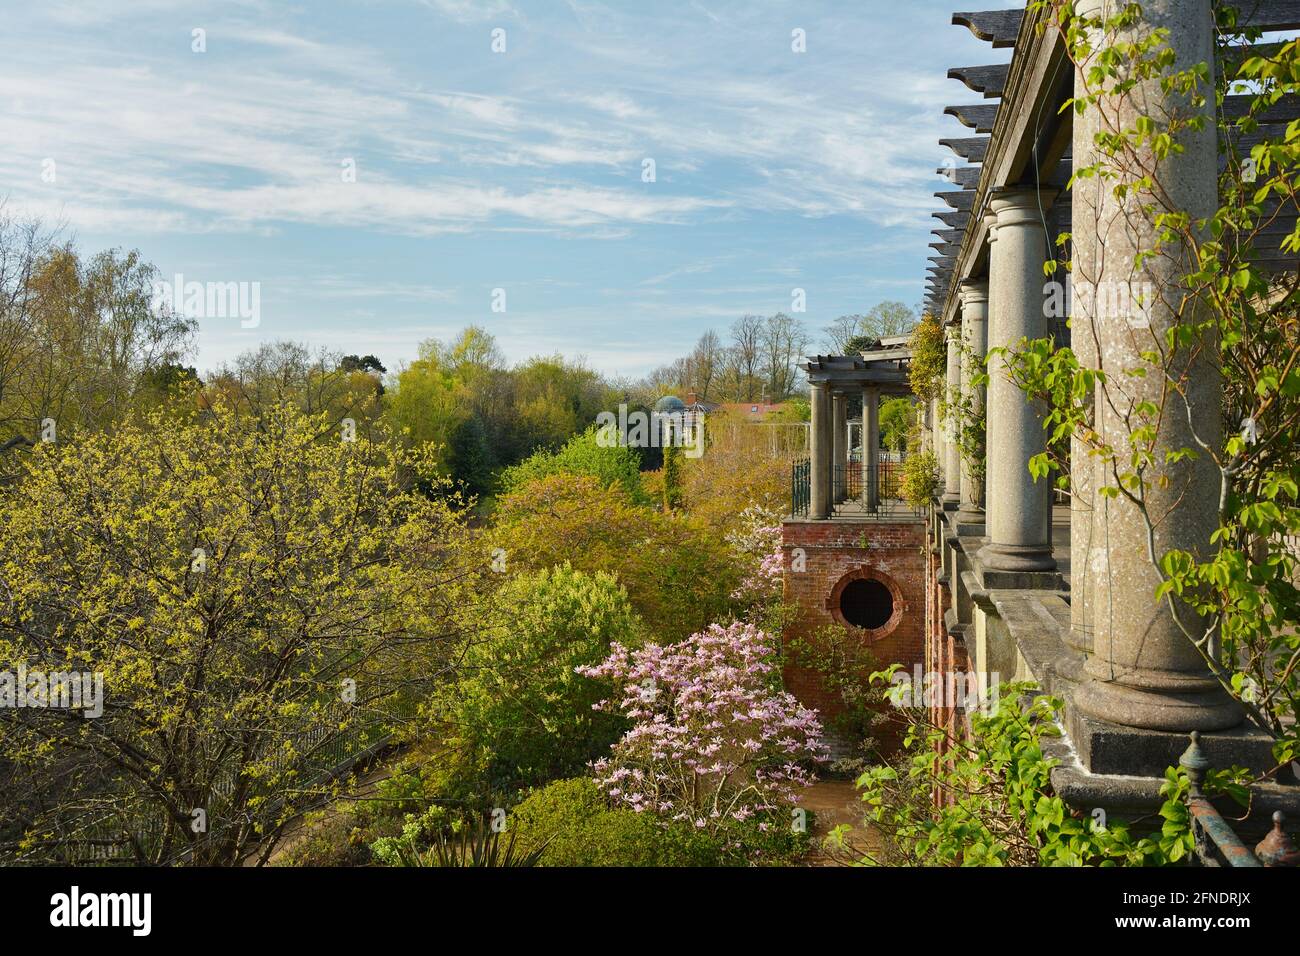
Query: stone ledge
[[1130, 796], [1036, 624], [1107, 748], [993, 579]]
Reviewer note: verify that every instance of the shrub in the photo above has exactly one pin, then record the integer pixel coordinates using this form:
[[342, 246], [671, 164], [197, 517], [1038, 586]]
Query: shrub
[[574, 824], [521, 713], [581, 455], [713, 743], [677, 577], [920, 479]]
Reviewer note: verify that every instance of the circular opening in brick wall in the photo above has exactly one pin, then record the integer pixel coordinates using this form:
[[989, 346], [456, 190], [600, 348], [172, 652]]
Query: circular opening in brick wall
[[867, 599], [866, 603]]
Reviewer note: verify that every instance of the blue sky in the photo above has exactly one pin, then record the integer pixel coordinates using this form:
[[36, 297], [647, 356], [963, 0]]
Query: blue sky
[[478, 170]]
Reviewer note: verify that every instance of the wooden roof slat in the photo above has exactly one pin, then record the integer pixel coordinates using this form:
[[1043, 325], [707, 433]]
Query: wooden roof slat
[[957, 198], [1268, 14], [973, 149], [1237, 53], [1283, 111], [990, 80], [976, 116], [956, 219], [967, 177], [999, 27]]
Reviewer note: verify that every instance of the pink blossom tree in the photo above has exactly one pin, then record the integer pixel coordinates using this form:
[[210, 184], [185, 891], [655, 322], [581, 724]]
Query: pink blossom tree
[[758, 541], [712, 740]]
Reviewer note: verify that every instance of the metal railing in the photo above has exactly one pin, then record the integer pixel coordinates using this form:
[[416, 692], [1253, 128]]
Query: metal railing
[[800, 486], [848, 481], [1216, 842], [849, 485]]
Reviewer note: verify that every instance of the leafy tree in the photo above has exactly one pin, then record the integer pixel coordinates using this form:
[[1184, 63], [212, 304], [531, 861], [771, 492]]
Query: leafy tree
[[847, 333], [676, 576], [283, 372], [896, 415], [427, 407], [79, 339], [358, 363], [672, 478], [520, 714], [256, 594], [581, 455]]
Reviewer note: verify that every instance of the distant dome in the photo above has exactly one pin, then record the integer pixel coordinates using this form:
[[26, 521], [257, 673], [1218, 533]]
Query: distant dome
[[670, 403]]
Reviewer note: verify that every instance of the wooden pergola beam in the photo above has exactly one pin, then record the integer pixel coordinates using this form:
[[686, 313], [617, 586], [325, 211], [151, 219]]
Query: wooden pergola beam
[[973, 149], [991, 80], [999, 27], [976, 116]]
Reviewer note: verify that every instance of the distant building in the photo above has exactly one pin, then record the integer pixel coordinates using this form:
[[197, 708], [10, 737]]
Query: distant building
[[752, 411]]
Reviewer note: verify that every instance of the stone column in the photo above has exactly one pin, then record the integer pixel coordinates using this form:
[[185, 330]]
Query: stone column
[[974, 325], [936, 433], [871, 447], [1018, 528], [1083, 343], [840, 446], [951, 453], [1144, 670], [819, 458]]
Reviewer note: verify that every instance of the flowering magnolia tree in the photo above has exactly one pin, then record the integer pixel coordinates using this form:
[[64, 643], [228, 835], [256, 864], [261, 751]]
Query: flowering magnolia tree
[[759, 543], [712, 742]]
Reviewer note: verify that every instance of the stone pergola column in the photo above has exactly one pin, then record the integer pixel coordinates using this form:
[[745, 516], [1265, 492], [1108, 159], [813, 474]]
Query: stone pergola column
[[871, 448], [1019, 526], [974, 324], [1144, 670], [951, 451], [840, 446], [819, 458], [936, 433]]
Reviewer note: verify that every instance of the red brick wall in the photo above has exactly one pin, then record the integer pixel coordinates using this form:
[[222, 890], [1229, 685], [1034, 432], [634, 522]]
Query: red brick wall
[[833, 550]]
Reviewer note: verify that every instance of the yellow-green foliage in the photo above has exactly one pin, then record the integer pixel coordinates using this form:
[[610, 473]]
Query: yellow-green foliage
[[520, 714], [575, 825], [678, 575], [230, 578]]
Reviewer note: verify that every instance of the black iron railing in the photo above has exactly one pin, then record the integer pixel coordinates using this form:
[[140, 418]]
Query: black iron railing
[[800, 486], [848, 480], [850, 484]]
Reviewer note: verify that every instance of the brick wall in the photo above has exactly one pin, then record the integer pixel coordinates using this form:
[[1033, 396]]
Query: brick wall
[[833, 550]]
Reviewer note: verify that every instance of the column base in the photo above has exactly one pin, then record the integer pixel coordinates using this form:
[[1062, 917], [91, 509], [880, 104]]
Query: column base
[[970, 520], [1182, 705], [1017, 557], [951, 500]]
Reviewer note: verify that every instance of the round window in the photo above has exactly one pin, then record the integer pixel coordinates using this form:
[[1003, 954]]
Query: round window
[[866, 603]]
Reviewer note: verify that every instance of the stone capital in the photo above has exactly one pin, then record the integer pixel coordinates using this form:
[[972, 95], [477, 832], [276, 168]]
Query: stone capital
[[973, 291], [1021, 205], [990, 220]]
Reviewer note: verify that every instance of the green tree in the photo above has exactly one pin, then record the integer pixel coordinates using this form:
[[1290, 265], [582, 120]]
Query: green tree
[[254, 593], [520, 715], [582, 454], [896, 415], [678, 577]]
